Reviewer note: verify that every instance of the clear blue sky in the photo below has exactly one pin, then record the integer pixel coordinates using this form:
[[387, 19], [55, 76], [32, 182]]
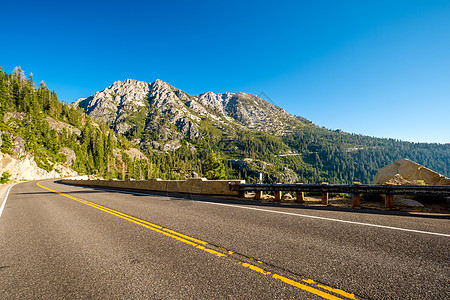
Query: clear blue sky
[[378, 68]]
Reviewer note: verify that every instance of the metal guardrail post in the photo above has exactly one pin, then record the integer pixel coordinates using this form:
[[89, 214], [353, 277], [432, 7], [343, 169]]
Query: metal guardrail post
[[300, 196], [325, 196], [356, 197]]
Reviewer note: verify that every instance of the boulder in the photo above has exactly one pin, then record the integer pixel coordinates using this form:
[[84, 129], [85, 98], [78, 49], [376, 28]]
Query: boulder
[[19, 146], [69, 154], [15, 115], [172, 145], [410, 203], [122, 127], [407, 172], [287, 196], [59, 126], [194, 175], [134, 153]]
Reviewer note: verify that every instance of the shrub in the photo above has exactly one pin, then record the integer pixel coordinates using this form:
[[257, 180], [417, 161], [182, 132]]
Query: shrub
[[5, 177]]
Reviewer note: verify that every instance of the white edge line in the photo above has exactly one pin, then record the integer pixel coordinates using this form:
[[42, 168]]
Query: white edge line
[[288, 213], [329, 219], [6, 198]]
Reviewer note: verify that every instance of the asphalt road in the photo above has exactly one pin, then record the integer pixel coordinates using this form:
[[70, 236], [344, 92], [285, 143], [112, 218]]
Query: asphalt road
[[84, 243]]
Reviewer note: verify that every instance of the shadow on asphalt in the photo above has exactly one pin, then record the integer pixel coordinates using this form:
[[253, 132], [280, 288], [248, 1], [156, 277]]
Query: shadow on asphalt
[[248, 202]]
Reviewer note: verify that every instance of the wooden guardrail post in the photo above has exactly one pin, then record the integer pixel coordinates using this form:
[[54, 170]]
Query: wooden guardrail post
[[235, 187], [277, 195], [325, 196], [258, 194], [300, 196], [389, 200], [356, 197]]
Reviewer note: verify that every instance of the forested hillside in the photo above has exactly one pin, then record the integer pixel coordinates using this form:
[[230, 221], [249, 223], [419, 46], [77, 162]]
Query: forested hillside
[[53, 131], [30, 113], [341, 157]]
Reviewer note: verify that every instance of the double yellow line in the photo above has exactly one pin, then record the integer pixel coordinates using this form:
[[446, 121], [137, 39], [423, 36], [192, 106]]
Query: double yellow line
[[202, 245]]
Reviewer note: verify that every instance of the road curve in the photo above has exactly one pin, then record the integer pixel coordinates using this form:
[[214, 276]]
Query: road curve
[[59, 241]]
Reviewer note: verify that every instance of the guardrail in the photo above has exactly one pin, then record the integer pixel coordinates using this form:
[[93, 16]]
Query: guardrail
[[356, 189]]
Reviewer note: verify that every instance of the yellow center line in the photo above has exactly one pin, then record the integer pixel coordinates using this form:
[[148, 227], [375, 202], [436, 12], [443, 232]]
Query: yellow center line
[[255, 268], [124, 216], [337, 291], [186, 236], [136, 220], [195, 243], [306, 287]]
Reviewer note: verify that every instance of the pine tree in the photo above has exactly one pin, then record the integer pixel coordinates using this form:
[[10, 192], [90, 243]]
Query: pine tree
[[213, 168]]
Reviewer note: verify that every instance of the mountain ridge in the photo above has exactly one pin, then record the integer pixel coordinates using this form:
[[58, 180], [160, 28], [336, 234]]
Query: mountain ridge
[[230, 109], [218, 136]]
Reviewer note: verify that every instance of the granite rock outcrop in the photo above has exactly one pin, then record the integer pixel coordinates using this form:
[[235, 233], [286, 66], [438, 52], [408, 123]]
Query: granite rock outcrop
[[407, 172]]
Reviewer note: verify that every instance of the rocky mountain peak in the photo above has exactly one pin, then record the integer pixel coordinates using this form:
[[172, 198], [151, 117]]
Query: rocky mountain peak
[[159, 107], [159, 82], [110, 103]]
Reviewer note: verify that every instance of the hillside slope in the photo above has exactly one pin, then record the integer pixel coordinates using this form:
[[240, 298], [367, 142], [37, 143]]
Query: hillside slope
[[43, 138], [250, 134]]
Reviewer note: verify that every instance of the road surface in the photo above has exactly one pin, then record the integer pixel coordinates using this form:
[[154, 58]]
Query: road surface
[[67, 242]]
